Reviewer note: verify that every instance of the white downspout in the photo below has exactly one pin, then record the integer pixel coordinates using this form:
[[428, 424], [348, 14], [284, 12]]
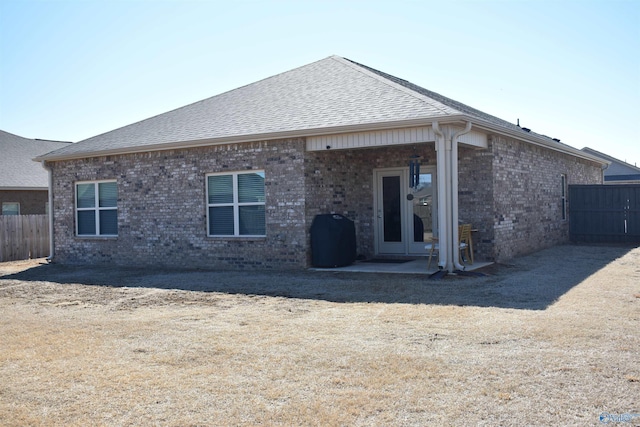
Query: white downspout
[[451, 242], [51, 233], [442, 196], [454, 194], [447, 172]]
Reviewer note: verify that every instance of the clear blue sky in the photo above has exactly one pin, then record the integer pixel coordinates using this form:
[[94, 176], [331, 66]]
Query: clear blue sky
[[569, 69]]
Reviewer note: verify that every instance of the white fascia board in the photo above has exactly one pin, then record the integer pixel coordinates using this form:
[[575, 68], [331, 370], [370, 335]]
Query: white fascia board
[[301, 133], [388, 137]]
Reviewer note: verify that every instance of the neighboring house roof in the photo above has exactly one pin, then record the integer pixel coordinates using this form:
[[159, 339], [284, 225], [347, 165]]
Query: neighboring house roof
[[618, 170], [18, 171], [333, 95]]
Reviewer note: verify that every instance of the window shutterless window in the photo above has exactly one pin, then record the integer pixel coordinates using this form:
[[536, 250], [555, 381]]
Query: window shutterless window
[[563, 182], [236, 204], [10, 208], [97, 208]]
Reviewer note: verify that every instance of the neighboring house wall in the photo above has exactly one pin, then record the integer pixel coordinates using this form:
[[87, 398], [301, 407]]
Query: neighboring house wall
[[32, 202], [617, 172], [162, 208]]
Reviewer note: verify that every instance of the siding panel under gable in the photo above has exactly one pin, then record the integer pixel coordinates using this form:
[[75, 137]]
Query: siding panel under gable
[[381, 138]]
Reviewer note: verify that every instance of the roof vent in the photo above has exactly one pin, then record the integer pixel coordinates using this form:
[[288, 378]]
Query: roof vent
[[556, 139], [526, 129]]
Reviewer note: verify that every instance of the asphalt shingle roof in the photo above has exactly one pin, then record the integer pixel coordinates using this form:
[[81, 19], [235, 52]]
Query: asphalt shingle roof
[[617, 166], [17, 168], [327, 93], [331, 93]]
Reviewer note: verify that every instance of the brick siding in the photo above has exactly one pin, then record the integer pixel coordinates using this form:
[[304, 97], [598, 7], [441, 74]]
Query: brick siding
[[527, 196], [341, 181], [162, 208], [475, 198], [509, 192]]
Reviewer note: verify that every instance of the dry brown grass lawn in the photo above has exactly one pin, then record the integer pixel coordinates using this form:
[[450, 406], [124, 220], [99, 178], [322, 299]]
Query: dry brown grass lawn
[[321, 349]]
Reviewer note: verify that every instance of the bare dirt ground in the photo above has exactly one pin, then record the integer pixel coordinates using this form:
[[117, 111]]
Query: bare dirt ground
[[551, 339]]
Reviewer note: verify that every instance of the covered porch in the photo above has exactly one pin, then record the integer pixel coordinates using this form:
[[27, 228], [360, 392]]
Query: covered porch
[[400, 187]]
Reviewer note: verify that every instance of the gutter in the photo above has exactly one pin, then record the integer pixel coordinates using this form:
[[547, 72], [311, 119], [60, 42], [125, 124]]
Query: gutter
[[50, 193], [534, 139], [23, 188], [443, 227], [236, 139]]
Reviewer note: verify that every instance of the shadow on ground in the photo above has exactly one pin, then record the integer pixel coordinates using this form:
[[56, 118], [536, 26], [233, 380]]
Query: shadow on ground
[[532, 282]]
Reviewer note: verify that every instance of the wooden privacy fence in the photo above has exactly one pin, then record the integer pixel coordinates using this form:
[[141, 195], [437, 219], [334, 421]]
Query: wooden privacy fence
[[604, 213], [23, 237]]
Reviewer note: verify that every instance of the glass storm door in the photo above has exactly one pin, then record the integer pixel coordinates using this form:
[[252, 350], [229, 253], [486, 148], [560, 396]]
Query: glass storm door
[[423, 211], [405, 217]]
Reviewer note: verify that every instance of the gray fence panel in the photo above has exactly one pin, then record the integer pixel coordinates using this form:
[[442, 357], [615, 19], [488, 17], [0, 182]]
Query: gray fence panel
[[23, 237], [633, 218], [604, 213]]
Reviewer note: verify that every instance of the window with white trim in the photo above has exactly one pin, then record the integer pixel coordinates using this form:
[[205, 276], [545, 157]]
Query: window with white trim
[[97, 208], [10, 208], [236, 204], [563, 181]]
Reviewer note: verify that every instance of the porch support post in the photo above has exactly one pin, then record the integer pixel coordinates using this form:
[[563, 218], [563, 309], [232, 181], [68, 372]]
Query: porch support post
[[454, 194], [447, 171]]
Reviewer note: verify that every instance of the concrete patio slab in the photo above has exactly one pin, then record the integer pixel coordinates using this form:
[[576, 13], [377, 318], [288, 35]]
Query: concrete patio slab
[[416, 266]]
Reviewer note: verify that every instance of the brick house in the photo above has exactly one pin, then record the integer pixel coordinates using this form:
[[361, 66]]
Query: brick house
[[235, 181], [24, 185]]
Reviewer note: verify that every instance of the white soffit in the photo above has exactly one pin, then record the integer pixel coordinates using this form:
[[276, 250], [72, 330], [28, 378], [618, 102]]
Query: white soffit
[[382, 138]]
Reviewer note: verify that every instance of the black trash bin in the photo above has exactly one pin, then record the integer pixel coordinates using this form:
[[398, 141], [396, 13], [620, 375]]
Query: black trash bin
[[333, 241]]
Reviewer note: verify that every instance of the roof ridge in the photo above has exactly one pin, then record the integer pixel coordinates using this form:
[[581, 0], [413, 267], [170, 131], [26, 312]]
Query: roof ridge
[[13, 134], [200, 101], [380, 76], [322, 96], [52, 140], [461, 107], [25, 139]]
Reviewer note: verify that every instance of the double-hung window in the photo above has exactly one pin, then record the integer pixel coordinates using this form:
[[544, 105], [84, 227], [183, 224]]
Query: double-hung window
[[97, 208], [236, 204]]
